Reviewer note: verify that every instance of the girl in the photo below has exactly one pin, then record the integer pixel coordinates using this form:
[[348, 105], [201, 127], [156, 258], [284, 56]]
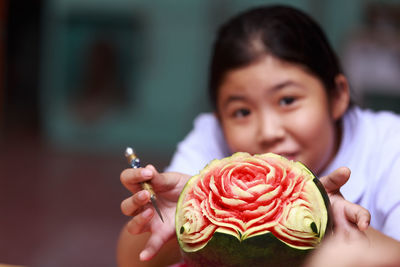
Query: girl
[[277, 86]]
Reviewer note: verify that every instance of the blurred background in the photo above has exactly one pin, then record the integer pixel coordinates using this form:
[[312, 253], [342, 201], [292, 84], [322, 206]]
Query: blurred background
[[82, 79]]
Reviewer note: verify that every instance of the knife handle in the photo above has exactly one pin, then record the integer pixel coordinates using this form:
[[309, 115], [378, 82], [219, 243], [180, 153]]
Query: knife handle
[[148, 187]]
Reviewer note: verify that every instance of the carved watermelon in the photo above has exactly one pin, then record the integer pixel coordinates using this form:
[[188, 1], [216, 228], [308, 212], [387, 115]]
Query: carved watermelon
[[244, 210]]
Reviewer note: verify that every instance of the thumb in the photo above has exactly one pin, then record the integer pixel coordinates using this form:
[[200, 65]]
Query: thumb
[[335, 180]]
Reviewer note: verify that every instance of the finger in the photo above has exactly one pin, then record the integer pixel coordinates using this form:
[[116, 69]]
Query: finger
[[345, 225], [131, 178], [346, 231], [333, 181], [163, 182], [130, 205], [153, 245], [152, 168], [158, 180], [358, 215], [139, 223]]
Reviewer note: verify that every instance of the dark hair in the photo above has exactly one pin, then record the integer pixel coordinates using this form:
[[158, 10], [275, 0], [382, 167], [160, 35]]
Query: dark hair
[[281, 31]]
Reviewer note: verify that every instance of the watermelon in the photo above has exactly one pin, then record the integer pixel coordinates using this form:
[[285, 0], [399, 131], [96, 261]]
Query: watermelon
[[251, 210]]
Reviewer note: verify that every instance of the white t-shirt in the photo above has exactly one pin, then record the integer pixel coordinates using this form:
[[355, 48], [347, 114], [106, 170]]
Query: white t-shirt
[[370, 147], [203, 144]]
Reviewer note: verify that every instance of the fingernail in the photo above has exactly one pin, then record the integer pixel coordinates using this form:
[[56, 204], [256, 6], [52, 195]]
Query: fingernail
[[144, 255], [142, 195], [146, 173]]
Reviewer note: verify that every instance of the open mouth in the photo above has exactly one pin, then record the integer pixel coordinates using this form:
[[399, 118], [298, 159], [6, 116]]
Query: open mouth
[[289, 156]]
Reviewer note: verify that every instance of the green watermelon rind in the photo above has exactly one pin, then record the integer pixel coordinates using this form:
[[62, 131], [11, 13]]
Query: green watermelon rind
[[214, 253], [226, 250]]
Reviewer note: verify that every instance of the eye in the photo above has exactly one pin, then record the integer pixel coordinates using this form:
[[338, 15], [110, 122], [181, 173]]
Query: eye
[[285, 101], [241, 113]]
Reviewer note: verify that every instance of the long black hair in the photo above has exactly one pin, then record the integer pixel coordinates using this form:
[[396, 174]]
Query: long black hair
[[281, 31]]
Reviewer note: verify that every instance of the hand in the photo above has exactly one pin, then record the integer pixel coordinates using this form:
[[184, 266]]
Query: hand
[[347, 217], [167, 187], [377, 250]]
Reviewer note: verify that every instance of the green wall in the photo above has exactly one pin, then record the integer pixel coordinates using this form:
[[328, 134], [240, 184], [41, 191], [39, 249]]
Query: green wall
[[164, 47]]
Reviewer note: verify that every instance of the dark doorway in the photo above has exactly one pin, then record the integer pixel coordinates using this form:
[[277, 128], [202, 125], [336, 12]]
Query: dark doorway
[[21, 68]]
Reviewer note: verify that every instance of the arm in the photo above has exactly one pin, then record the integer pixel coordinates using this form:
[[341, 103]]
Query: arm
[[167, 187], [350, 247], [377, 250], [130, 246], [192, 155]]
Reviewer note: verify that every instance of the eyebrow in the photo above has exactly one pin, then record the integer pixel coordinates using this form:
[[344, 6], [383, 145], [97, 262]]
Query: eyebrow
[[233, 98], [282, 85], [273, 89]]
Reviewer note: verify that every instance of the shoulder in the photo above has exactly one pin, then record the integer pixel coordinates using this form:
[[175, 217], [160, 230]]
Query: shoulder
[[206, 119], [379, 134], [371, 129], [205, 142], [369, 147], [380, 121], [206, 132]]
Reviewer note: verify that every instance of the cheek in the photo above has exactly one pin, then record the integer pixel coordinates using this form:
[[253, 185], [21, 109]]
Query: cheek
[[238, 137], [311, 126], [316, 138]]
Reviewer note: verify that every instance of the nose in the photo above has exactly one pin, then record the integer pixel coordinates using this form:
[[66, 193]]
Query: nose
[[270, 129]]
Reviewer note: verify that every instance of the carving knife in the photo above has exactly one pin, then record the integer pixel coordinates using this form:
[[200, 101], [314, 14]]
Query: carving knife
[[134, 162]]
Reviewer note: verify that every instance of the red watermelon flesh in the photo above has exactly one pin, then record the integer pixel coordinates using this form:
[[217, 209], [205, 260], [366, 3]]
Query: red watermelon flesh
[[246, 196]]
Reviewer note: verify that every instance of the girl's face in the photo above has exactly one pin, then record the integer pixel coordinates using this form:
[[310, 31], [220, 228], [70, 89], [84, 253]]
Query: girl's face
[[275, 106]]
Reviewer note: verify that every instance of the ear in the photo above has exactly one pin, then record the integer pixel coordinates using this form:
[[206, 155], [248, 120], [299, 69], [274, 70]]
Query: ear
[[341, 98]]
